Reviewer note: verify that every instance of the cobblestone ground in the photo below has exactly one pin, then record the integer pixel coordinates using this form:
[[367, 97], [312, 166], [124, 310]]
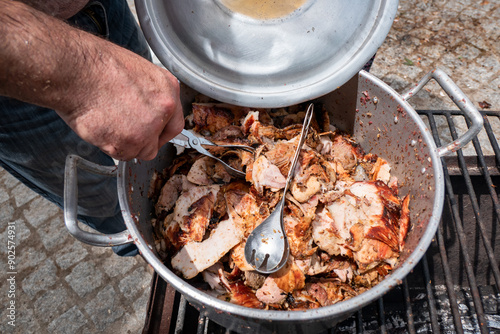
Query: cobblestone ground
[[64, 286], [461, 37]]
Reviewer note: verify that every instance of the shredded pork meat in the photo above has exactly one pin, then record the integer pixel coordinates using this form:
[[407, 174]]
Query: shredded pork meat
[[344, 220]]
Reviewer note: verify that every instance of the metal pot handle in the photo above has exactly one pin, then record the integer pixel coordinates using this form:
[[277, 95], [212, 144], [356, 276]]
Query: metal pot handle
[[462, 102], [71, 203]]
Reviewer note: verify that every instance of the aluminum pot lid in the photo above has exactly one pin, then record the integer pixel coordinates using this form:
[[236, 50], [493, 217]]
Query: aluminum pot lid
[[265, 53]]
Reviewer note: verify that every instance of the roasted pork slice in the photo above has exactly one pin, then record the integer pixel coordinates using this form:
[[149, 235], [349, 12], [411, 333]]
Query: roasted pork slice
[[220, 174], [321, 263], [237, 291], [259, 133], [297, 221], [250, 118], [367, 279], [370, 204], [290, 277], [373, 252], [381, 171], [193, 210], [201, 171], [206, 171], [195, 257], [200, 212], [338, 191], [260, 116], [212, 117], [212, 275], [242, 207], [327, 236], [329, 292], [343, 268], [270, 293], [390, 200], [309, 178], [172, 233], [170, 193], [364, 220], [238, 257], [302, 192], [229, 134], [314, 175], [267, 175], [301, 301], [241, 294], [181, 164], [281, 155], [345, 151], [278, 285], [311, 265], [325, 144]]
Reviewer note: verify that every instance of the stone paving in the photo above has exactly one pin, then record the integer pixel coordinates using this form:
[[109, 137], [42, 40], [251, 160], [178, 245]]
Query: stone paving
[[64, 286], [462, 37]]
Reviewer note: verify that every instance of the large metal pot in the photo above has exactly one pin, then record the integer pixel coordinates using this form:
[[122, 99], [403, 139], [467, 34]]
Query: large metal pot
[[382, 122]]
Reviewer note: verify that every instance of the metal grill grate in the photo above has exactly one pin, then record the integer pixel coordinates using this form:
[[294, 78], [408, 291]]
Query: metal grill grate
[[456, 286]]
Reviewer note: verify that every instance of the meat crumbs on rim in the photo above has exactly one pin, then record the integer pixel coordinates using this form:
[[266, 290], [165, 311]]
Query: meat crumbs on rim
[[344, 220]]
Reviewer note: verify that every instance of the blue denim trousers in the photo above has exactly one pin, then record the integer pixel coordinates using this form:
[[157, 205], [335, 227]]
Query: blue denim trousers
[[35, 141]]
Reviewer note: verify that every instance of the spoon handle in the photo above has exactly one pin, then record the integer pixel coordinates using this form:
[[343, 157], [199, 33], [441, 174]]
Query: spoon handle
[[303, 135]]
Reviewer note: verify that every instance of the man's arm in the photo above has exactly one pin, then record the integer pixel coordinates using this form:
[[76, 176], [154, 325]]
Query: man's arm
[[109, 96]]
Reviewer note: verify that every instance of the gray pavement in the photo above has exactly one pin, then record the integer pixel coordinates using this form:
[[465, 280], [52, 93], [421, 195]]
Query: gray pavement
[[64, 286]]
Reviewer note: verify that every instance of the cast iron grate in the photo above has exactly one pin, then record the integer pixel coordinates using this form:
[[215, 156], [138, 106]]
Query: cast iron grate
[[456, 286]]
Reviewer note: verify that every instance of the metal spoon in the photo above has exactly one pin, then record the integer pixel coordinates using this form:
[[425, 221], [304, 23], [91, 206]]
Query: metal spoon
[[267, 247]]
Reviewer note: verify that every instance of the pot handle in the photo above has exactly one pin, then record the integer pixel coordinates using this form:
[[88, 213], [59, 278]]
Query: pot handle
[[462, 102], [71, 203]]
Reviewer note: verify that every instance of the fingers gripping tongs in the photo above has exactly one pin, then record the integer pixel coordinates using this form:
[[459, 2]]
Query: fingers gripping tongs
[[188, 139]]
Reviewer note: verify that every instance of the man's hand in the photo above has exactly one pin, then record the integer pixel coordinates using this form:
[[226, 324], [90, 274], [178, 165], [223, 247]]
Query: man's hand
[[132, 109], [109, 96]]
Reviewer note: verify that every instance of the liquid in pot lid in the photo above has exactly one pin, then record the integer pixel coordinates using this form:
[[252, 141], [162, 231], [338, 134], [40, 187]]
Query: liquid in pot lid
[[263, 9]]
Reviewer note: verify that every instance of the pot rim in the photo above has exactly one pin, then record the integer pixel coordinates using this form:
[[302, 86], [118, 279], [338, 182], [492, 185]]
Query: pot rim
[[338, 309]]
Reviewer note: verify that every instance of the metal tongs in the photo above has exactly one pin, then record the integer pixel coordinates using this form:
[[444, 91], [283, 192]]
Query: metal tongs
[[188, 139]]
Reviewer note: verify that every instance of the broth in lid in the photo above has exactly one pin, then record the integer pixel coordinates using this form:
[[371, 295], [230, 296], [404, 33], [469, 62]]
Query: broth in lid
[[263, 9]]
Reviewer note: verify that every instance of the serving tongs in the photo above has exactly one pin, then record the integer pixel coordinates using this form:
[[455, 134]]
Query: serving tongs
[[188, 139]]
